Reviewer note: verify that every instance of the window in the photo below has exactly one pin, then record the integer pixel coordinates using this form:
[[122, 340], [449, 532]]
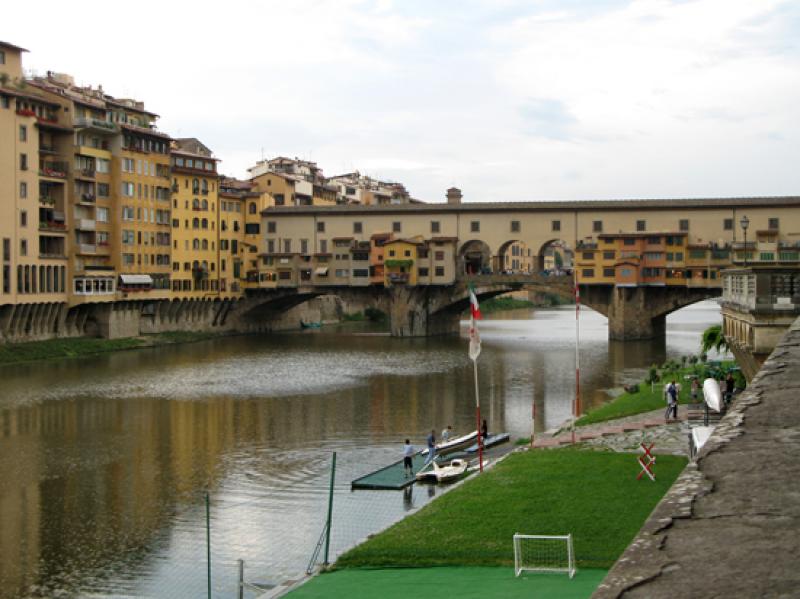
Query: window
[[23, 247], [23, 133], [358, 228], [127, 213], [515, 227], [252, 208], [407, 253], [683, 224], [320, 227], [391, 253], [23, 190], [422, 271], [279, 200], [323, 246], [103, 166], [588, 255], [397, 226], [102, 190], [436, 226], [608, 272], [773, 224], [597, 226], [438, 256], [555, 225], [439, 271], [608, 255], [588, 272], [128, 189], [727, 224], [641, 225], [252, 228], [271, 226], [270, 246], [304, 246], [629, 241], [23, 218], [127, 237], [23, 162], [475, 226], [2, 57]]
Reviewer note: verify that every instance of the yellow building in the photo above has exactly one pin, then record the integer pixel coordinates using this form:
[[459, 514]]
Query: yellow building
[[400, 261], [233, 195], [292, 182], [33, 212], [195, 220]]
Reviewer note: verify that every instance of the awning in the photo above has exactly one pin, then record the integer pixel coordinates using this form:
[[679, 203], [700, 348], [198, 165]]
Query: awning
[[322, 271], [136, 279]]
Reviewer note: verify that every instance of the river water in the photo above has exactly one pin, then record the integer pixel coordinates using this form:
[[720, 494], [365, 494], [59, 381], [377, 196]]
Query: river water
[[105, 461]]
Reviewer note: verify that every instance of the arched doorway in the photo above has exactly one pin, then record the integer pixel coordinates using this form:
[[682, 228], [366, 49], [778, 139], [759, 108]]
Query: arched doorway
[[475, 257], [515, 257]]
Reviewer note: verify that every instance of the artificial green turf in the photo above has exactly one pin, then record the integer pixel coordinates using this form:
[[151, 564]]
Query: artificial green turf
[[592, 495], [464, 583]]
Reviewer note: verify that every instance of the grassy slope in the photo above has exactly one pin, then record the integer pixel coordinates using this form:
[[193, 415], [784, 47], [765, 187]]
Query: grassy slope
[[645, 400], [13, 353], [593, 495]]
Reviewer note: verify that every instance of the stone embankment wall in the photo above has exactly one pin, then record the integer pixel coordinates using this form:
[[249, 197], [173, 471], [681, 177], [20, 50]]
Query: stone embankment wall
[[730, 525], [114, 320]]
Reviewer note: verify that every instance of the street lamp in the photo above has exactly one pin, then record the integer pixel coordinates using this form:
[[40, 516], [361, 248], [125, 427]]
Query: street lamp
[[745, 222]]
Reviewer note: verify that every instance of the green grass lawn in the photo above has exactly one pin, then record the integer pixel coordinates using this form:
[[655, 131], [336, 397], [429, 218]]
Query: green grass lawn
[[647, 399], [592, 495], [464, 583]]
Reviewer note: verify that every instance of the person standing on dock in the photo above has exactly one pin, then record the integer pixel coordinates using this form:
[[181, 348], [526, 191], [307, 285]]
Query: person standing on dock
[[484, 431], [408, 461], [431, 447], [447, 433]]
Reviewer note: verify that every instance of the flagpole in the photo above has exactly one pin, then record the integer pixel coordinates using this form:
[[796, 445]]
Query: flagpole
[[577, 403], [474, 352], [478, 411]]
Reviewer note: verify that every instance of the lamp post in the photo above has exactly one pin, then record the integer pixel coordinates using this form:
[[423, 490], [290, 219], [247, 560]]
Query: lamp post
[[745, 222]]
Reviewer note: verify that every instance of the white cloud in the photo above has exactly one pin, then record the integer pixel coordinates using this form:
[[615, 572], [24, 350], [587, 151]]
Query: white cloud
[[509, 100]]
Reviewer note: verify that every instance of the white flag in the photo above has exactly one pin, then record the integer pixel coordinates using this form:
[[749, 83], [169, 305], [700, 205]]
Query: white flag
[[474, 341]]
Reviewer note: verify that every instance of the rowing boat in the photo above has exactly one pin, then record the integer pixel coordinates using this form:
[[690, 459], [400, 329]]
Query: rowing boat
[[489, 441], [452, 445], [443, 474], [712, 394]]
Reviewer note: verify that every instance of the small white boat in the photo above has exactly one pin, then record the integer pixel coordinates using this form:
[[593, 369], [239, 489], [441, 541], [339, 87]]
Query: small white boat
[[712, 394], [452, 445], [443, 474]]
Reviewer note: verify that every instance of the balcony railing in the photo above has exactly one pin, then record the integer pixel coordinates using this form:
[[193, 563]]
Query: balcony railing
[[85, 224], [50, 225], [54, 169], [87, 123], [47, 200], [87, 173], [87, 248]]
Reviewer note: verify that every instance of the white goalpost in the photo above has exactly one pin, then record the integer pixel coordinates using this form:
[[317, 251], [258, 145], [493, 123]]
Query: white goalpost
[[544, 553]]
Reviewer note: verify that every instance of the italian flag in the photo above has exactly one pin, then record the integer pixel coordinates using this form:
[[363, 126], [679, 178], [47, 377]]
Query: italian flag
[[473, 304]]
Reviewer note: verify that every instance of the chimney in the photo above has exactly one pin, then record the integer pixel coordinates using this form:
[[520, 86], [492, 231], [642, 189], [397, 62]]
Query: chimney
[[454, 195]]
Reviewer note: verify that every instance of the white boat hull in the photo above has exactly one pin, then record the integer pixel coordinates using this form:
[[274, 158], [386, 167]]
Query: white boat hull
[[712, 394]]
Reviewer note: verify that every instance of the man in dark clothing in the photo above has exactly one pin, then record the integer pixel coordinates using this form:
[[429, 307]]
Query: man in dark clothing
[[672, 401], [431, 447]]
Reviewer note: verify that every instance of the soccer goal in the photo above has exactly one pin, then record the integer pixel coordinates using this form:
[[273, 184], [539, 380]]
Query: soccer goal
[[544, 553]]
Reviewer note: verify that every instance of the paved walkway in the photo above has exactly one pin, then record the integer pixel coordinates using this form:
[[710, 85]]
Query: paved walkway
[[625, 434]]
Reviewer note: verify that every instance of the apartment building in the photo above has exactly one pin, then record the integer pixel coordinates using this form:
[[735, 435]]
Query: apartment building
[[233, 195], [292, 182], [33, 216], [355, 188], [195, 220]]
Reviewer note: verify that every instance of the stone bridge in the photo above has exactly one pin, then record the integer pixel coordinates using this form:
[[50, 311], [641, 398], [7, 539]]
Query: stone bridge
[[420, 311]]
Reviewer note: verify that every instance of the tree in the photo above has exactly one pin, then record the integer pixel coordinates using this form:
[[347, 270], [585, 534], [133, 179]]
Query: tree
[[713, 339]]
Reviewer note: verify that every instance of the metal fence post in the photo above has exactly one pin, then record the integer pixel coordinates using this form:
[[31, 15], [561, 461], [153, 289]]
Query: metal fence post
[[330, 510], [208, 542], [241, 578]]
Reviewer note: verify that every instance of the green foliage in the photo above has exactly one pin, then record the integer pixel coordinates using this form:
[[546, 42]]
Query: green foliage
[[375, 315], [593, 495], [652, 375], [713, 339], [395, 263], [499, 304], [354, 317]]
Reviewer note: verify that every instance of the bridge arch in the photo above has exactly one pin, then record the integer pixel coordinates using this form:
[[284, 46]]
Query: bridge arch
[[557, 251], [514, 256]]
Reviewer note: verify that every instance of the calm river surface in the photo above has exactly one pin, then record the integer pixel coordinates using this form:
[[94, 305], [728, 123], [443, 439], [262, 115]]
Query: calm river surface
[[105, 461]]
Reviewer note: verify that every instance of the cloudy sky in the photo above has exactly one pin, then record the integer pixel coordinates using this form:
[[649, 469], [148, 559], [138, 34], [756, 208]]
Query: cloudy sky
[[508, 100]]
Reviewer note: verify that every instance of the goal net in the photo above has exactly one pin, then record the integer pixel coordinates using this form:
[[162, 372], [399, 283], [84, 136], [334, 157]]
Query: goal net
[[544, 553]]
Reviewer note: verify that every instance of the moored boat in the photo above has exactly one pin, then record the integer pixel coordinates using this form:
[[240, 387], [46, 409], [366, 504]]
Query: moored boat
[[712, 394], [452, 445], [443, 474]]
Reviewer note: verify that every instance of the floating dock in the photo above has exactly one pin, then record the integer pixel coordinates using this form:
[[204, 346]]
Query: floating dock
[[392, 477], [490, 441]]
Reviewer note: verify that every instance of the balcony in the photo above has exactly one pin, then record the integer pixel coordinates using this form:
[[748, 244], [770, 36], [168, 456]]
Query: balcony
[[54, 170], [85, 173], [50, 201], [85, 224], [96, 125], [398, 278], [53, 226], [86, 198], [87, 248]]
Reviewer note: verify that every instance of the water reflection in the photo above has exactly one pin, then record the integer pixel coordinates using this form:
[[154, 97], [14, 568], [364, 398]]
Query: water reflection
[[105, 461]]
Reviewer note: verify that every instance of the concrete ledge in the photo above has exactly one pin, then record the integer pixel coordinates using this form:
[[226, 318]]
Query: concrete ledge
[[730, 525]]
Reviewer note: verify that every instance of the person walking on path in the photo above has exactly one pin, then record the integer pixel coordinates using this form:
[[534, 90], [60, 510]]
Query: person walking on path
[[408, 461], [431, 447], [729, 387], [672, 401], [695, 390]]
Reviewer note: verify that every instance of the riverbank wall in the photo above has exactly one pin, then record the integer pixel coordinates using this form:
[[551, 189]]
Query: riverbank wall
[[730, 525]]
